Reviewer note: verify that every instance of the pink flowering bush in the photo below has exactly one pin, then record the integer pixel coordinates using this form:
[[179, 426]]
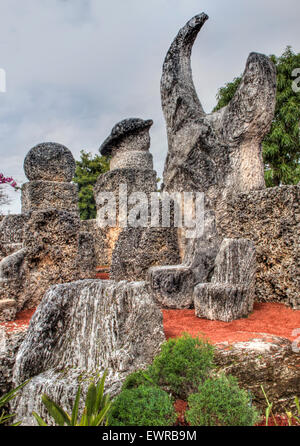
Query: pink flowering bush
[[7, 180]]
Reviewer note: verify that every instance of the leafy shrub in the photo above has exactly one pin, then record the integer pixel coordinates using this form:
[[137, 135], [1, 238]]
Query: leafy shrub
[[182, 365], [220, 402], [142, 406], [138, 378], [95, 411]]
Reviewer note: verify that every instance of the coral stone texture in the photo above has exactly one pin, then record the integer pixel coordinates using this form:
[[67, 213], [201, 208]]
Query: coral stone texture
[[78, 331], [49, 162], [230, 294], [263, 360], [271, 219], [218, 153], [39, 195], [41, 247], [128, 243], [173, 285]]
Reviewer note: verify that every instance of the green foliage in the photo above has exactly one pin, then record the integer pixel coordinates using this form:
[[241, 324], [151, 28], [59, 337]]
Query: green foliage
[[138, 378], [226, 93], [6, 399], [87, 171], [281, 147], [142, 406], [220, 402], [182, 365], [290, 416], [95, 412]]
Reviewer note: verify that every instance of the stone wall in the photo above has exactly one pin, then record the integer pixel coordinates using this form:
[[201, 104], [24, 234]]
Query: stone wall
[[271, 219]]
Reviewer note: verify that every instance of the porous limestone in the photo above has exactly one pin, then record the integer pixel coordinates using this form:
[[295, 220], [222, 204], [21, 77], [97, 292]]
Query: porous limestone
[[217, 153], [78, 331], [49, 162], [230, 294]]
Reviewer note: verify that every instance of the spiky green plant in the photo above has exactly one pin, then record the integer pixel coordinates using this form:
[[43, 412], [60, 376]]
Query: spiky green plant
[[97, 405], [6, 399]]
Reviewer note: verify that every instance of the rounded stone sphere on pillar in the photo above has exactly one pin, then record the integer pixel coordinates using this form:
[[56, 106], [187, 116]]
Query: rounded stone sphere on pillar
[[49, 162]]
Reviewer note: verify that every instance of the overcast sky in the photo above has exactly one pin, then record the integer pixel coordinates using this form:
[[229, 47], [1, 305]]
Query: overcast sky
[[76, 67]]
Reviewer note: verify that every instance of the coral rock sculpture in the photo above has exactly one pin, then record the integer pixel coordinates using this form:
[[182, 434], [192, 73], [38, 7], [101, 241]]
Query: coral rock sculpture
[[132, 250], [230, 295], [217, 153], [79, 330], [44, 245], [173, 286]]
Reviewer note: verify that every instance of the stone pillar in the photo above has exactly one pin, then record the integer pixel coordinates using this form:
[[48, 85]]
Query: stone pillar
[[132, 250], [50, 240]]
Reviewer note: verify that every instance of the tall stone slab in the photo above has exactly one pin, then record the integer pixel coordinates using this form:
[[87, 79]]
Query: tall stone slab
[[217, 153]]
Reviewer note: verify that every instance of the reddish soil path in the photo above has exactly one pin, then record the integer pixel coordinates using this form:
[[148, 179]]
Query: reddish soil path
[[20, 323], [270, 318]]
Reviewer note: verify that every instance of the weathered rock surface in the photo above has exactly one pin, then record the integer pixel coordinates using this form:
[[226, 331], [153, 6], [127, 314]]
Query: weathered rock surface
[[172, 286], [49, 162], [12, 276], [221, 152], [129, 242], [79, 330], [265, 360], [230, 295], [41, 195], [102, 244], [11, 233], [271, 219], [9, 345], [43, 246], [127, 135], [137, 249], [52, 241], [86, 261]]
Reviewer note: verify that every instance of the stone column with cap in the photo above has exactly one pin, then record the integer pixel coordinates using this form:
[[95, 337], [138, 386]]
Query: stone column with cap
[[50, 249], [49, 168], [130, 251]]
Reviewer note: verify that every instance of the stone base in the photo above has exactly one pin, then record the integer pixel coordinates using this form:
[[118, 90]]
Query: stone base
[[79, 330], [222, 301], [172, 286], [39, 195]]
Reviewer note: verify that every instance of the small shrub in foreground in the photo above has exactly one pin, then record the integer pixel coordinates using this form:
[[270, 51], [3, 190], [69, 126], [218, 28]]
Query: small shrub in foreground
[[142, 406], [182, 365], [221, 402], [138, 378]]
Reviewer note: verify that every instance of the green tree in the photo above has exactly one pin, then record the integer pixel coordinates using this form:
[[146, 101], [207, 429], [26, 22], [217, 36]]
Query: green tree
[[87, 171], [281, 147]]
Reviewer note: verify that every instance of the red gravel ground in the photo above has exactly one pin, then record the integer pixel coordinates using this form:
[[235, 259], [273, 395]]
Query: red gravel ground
[[20, 323], [280, 420], [270, 318]]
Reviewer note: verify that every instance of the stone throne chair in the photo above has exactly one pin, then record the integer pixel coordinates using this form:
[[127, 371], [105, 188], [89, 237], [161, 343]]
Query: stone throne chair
[[230, 293], [173, 285]]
